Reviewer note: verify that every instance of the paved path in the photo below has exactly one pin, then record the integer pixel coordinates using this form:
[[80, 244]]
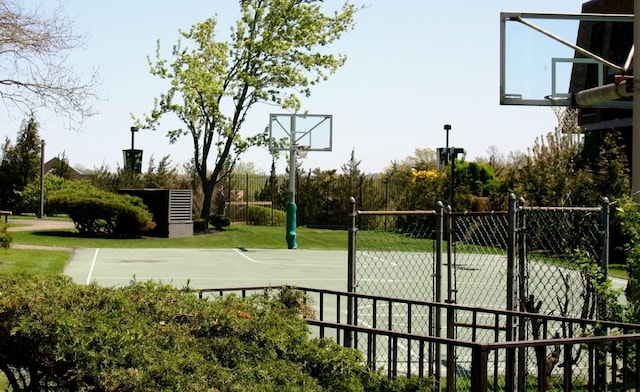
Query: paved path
[[39, 224]]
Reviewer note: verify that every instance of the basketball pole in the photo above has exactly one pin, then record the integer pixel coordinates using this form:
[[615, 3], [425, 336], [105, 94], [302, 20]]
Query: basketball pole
[[635, 139], [291, 205]]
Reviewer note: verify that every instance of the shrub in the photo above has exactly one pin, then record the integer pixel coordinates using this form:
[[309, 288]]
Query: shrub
[[94, 211], [199, 225], [219, 221], [150, 337], [5, 237], [30, 201], [264, 216]]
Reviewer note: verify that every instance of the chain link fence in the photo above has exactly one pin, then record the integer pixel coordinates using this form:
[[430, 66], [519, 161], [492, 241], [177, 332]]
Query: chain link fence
[[552, 253], [539, 260]]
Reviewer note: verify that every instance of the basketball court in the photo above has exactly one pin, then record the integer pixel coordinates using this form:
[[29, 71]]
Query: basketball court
[[210, 268]]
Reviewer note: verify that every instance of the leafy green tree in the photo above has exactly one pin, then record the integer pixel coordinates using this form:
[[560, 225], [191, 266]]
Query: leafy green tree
[[422, 159], [277, 51], [20, 164], [546, 176], [52, 183]]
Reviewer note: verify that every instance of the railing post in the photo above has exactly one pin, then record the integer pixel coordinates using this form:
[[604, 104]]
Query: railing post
[[438, 284], [479, 359], [351, 272]]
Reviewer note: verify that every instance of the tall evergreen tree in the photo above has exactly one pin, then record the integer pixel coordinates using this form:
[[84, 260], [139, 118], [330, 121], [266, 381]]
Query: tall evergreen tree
[[19, 164]]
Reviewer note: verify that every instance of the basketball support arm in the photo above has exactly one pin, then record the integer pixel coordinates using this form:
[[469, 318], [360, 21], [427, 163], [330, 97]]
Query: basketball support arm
[[608, 92]]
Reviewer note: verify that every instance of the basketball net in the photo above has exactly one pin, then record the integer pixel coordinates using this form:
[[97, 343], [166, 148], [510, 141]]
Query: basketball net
[[301, 151], [567, 119]]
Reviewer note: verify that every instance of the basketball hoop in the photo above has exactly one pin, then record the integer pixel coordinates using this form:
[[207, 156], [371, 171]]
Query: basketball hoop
[[301, 151]]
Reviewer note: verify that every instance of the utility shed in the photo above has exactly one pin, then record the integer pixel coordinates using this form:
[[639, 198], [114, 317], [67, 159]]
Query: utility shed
[[171, 209]]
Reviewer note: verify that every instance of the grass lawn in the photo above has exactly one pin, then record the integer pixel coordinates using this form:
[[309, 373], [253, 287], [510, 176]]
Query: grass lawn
[[43, 262], [261, 237]]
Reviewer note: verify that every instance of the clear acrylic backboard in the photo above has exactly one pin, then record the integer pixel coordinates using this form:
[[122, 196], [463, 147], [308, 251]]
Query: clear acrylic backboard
[[312, 132], [542, 62]]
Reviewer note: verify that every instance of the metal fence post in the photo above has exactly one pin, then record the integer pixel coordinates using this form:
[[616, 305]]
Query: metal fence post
[[605, 236], [521, 235], [511, 276], [451, 333], [438, 296], [351, 271], [601, 352]]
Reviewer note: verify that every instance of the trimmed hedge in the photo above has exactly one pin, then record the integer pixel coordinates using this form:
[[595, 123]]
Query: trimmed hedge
[[262, 216], [151, 337], [95, 211]]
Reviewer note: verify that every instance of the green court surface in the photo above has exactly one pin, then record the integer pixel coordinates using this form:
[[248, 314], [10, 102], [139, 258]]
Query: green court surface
[[211, 268]]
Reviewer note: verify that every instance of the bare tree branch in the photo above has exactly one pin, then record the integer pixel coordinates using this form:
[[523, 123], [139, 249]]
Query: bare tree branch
[[34, 67]]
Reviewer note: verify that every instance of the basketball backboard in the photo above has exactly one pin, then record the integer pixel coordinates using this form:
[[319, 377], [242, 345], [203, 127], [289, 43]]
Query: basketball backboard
[[546, 59], [311, 132]]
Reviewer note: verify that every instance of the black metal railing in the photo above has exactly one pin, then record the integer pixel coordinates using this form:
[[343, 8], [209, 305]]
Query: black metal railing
[[576, 359]]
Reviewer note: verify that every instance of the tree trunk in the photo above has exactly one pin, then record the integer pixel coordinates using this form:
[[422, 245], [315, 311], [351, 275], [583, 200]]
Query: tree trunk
[[207, 190]]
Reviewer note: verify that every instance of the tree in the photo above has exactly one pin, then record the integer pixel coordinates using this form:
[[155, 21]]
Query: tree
[[277, 51], [33, 63], [549, 173], [61, 168], [164, 175], [19, 164]]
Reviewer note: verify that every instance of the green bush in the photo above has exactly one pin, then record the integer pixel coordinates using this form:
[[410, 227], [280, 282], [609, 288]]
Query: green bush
[[94, 211], [262, 216], [199, 225], [30, 201], [219, 221], [151, 337], [5, 237]]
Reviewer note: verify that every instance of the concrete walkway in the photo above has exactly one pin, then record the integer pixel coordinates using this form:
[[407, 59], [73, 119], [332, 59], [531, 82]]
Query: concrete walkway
[[37, 225]]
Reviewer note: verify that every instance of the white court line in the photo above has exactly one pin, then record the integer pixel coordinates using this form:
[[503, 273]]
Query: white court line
[[242, 253], [376, 258], [238, 251], [93, 264]]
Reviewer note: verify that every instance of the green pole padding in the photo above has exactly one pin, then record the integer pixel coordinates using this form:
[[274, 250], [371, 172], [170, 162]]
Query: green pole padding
[[291, 225]]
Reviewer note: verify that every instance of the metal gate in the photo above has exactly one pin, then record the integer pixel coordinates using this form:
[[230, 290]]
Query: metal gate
[[539, 260]]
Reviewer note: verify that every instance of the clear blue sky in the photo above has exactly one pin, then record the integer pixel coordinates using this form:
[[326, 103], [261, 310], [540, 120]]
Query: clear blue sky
[[413, 65]]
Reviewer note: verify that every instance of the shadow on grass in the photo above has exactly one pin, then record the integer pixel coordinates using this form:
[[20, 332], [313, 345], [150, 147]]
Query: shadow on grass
[[58, 233], [75, 234]]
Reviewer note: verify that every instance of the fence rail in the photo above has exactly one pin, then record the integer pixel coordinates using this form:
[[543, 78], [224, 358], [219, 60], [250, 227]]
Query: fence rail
[[578, 362]]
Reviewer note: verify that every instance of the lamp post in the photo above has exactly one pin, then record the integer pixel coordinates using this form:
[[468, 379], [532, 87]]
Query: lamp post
[[41, 215], [448, 155], [132, 158], [447, 128]]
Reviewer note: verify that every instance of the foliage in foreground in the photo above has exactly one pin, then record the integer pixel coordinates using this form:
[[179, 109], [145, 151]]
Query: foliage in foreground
[[149, 337], [5, 237]]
